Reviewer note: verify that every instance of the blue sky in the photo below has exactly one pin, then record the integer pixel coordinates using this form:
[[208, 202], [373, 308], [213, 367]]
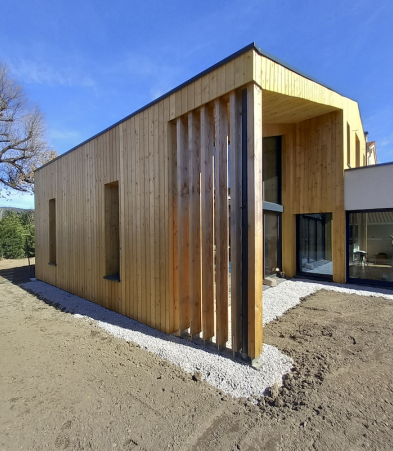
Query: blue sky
[[90, 63]]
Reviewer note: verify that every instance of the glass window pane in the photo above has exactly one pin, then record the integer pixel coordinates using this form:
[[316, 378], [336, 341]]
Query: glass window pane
[[271, 246], [315, 244], [271, 169], [370, 245]]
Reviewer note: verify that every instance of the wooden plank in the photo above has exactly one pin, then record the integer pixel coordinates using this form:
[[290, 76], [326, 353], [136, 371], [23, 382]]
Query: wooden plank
[[235, 217], [162, 225], [139, 213], [194, 149], [339, 226], [207, 199], [221, 221], [221, 81], [190, 97], [122, 219], [151, 267], [144, 214], [198, 93], [183, 223], [239, 71], [130, 216], [172, 310], [205, 89], [255, 219], [157, 199], [213, 84], [230, 76]]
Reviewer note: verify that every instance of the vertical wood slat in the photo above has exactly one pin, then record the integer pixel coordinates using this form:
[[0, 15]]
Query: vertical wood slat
[[235, 108], [146, 233], [172, 311], [130, 188], [255, 219], [207, 199], [122, 221], [194, 149], [162, 231], [221, 221], [138, 192], [151, 268], [183, 223]]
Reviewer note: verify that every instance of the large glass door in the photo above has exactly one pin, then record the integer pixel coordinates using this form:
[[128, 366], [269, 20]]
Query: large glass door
[[272, 242], [314, 244]]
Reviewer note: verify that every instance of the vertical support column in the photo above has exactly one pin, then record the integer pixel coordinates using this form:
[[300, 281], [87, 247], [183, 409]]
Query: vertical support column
[[207, 194], [183, 223], [221, 222], [235, 108], [194, 146], [255, 220]]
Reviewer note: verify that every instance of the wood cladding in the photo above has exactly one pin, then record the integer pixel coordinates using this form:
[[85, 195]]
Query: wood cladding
[[313, 182], [167, 216]]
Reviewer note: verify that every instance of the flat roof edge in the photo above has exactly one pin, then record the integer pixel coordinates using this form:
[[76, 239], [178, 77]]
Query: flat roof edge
[[252, 46], [368, 167]]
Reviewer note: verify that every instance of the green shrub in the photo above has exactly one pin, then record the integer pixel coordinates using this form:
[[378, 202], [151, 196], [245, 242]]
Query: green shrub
[[29, 240], [16, 237]]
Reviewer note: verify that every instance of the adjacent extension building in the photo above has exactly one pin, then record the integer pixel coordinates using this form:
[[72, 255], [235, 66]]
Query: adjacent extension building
[[175, 215]]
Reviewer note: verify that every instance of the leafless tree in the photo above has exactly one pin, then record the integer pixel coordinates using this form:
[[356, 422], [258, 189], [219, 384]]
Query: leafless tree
[[23, 147]]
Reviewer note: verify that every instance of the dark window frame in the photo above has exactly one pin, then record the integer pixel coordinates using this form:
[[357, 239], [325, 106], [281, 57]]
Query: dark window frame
[[299, 266], [277, 208], [355, 280]]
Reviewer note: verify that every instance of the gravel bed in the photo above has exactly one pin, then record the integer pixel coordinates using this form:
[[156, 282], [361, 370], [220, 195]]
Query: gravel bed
[[288, 294], [236, 379]]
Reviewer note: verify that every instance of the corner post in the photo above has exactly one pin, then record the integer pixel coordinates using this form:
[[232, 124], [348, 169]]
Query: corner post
[[255, 220]]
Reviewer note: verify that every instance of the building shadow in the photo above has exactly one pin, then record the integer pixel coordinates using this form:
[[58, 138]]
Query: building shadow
[[17, 275], [75, 305]]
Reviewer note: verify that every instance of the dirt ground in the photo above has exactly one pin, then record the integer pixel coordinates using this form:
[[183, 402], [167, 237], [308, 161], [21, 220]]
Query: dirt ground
[[66, 384]]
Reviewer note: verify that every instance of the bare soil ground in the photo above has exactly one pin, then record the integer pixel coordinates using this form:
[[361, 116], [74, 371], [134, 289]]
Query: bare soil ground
[[66, 384]]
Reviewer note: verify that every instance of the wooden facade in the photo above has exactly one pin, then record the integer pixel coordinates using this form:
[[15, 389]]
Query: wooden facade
[[166, 168]]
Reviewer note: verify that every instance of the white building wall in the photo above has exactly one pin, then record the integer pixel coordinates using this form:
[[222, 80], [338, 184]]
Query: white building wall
[[369, 187]]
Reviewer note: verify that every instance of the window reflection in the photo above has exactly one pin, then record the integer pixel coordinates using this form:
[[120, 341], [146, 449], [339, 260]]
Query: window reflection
[[315, 244], [370, 245]]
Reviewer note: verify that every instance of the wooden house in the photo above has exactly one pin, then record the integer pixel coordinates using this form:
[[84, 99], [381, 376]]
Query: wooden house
[[136, 218]]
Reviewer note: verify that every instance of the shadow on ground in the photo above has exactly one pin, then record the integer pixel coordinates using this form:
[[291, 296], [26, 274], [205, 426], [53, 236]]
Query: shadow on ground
[[17, 275]]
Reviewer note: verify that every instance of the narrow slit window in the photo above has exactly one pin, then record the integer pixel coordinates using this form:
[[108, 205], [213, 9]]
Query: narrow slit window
[[112, 232], [52, 231], [348, 145], [357, 152]]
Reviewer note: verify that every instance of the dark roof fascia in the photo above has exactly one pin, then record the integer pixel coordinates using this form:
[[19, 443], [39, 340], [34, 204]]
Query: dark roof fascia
[[371, 166], [252, 46]]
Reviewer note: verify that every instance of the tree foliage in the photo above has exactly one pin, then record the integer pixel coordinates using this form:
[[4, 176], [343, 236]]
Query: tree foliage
[[23, 147], [17, 235]]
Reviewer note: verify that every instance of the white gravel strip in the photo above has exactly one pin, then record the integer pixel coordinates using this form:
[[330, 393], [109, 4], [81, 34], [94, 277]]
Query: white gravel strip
[[277, 300], [231, 377]]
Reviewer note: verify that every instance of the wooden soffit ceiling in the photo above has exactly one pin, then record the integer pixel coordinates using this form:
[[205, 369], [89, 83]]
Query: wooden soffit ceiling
[[282, 109]]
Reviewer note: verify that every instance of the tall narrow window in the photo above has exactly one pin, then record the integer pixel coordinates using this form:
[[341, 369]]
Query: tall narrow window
[[348, 145], [272, 169], [52, 231], [357, 151], [112, 232]]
